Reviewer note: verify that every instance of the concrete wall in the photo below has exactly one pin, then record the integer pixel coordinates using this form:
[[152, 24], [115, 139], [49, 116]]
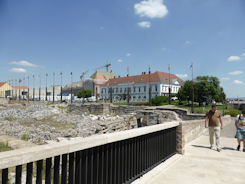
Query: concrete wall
[[187, 131]]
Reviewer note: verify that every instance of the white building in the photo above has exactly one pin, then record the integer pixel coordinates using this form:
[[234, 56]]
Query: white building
[[139, 86]]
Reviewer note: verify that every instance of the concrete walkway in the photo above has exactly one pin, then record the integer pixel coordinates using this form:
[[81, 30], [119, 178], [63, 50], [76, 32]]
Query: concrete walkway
[[201, 165]]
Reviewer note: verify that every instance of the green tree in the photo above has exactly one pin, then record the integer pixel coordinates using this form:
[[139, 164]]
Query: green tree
[[84, 93], [206, 89], [185, 92]]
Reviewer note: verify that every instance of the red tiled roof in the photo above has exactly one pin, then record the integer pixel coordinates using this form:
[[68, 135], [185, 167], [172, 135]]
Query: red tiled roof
[[154, 77], [2, 83], [21, 87], [100, 77]]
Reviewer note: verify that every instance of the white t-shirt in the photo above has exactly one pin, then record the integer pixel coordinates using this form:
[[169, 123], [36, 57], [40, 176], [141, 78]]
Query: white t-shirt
[[240, 121]]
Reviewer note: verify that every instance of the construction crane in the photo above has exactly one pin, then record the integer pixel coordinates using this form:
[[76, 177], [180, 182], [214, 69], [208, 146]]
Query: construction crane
[[105, 66], [83, 74]]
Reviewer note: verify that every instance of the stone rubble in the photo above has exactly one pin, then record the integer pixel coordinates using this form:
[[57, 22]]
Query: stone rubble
[[40, 123]]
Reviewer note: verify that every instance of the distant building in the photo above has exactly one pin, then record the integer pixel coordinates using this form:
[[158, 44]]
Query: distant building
[[138, 86], [7, 90], [4, 88], [96, 80]]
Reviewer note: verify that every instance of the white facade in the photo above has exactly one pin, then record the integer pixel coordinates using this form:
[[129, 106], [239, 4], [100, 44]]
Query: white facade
[[138, 91]]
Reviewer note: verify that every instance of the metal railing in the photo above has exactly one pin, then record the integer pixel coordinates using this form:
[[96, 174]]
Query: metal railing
[[112, 161]]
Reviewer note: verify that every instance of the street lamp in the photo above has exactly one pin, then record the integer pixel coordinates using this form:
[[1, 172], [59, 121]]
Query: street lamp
[[61, 87]]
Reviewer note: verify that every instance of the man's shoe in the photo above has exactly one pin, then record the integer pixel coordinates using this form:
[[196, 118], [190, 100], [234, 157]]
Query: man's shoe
[[218, 149], [211, 147], [238, 148]]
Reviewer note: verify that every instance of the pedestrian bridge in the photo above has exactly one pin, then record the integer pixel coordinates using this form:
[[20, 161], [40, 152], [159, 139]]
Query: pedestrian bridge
[[114, 158], [144, 155]]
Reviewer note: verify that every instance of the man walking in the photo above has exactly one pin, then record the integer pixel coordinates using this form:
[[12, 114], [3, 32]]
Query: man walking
[[213, 117]]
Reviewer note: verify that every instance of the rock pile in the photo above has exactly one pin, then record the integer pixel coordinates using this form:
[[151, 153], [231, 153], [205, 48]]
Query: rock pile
[[41, 123]]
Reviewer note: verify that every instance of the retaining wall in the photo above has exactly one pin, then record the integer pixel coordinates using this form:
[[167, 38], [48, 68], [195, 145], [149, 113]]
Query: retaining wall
[[187, 131]]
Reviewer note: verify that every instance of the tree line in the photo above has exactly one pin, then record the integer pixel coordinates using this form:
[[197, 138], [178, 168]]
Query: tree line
[[206, 89]]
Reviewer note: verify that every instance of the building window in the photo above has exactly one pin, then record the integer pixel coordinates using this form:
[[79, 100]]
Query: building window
[[120, 90], [134, 89], [156, 88], [139, 89], [144, 88], [116, 90]]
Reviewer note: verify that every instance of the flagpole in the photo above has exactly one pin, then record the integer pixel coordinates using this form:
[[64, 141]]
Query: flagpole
[[192, 107], [169, 88]]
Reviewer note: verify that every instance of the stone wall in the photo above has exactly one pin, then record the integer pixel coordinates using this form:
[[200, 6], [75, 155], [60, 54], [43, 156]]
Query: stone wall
[[183, 113], [102, 108], [239, 106], [187, 131], [4, 101]]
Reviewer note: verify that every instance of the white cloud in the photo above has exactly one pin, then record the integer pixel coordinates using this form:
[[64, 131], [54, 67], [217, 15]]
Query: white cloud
[[144, 24], [119, 60], [151, 9], [233, 58], [237, 82], [243, 54], [225, 78], [23, 63], [236, 72], [187, 42], [182, 76], [128, 54], [18, 70], [102, 28], [163, 49]]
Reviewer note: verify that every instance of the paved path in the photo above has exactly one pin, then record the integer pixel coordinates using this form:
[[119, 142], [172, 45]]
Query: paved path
[[201, 165]]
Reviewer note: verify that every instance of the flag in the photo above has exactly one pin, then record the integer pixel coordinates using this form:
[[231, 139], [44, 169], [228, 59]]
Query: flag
[[169, 67], [191, 66]]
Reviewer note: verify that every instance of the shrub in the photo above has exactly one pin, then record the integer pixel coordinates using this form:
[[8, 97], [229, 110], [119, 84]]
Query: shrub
[[159, 100], [25, 137], [233, 112]]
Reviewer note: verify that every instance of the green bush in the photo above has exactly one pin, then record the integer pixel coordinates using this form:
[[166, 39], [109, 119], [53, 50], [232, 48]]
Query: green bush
[[233, 112], [159, 100], [84, 93]]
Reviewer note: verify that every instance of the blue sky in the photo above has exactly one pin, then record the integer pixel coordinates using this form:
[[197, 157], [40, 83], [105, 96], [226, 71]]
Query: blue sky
[[63, 36]]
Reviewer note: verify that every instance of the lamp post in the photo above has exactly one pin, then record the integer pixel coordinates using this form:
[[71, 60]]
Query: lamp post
[[150, 100], [33, 88], [46, 91], [39, 87], [28, 89], [61, 87], [53, 85], [169, 87], [71, 87]]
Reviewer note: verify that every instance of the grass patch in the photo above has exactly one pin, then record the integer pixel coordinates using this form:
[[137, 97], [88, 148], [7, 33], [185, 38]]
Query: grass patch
[[4, 147], [10, 118], [25, 137], [62, 107]]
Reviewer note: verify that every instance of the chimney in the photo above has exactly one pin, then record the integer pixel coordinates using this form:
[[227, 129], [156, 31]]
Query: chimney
[[119, 76], [127, 75]]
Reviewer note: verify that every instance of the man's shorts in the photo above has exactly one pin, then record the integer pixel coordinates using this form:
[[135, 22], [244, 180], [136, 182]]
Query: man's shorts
[[240, 134]]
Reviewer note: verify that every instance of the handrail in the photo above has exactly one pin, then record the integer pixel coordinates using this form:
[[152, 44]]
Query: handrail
[[26, 155]]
